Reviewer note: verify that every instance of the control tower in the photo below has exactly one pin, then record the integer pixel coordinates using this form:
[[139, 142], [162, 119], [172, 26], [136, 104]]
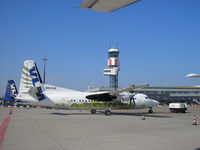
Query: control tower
[[113, 67]]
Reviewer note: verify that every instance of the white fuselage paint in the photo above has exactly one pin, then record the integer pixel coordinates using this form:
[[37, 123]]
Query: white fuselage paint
[[65, 98]]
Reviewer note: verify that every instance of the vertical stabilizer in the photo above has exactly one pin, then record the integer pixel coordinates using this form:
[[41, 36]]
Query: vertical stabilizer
[[31, 82], [11, 91], [30, 77]]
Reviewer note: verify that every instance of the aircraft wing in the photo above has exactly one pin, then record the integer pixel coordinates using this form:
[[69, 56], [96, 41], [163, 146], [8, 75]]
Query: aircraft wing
[[106, 5], [109, 96], [116, 92]]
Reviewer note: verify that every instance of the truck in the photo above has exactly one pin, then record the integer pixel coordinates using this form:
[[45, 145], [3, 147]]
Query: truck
[[178, 107]]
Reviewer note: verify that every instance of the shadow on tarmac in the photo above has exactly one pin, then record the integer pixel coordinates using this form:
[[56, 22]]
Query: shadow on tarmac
[[69, 114], [141, 114], [113, 114]]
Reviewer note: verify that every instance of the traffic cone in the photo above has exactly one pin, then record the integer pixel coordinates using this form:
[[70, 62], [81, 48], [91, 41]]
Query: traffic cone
[[194, 121], [10, 111], [143, 117]]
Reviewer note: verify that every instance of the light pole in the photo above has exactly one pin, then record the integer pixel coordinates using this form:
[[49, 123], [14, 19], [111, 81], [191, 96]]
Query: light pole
[[44, 59]]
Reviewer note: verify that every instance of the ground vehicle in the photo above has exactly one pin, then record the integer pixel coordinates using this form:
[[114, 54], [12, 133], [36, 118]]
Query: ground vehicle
[[178, 107]]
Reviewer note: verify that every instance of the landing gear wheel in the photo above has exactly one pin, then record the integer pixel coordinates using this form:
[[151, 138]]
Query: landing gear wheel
[[93, 111], [150, 111], [107, 112]]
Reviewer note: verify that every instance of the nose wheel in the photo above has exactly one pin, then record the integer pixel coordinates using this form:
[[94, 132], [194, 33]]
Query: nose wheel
[[150, 111]]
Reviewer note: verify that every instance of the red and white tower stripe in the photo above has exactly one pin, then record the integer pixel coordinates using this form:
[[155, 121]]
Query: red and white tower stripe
[[113, 62]]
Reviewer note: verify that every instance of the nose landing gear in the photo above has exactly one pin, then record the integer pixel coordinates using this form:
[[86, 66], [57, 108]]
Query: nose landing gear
[[150, 111]]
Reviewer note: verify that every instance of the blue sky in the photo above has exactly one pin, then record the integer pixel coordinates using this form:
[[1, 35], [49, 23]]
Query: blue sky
[[159, 42]]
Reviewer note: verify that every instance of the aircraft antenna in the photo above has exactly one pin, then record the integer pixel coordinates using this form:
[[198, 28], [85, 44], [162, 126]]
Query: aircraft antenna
[[117, 45]]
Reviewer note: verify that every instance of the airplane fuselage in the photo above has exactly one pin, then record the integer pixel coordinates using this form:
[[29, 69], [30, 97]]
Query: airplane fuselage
[[64, 98]]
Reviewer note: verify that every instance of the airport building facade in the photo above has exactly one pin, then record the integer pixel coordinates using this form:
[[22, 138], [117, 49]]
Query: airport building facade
[[165, 95], [172, 94]]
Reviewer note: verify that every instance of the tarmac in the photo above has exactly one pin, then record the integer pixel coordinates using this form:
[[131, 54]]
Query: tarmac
[[44, 129]]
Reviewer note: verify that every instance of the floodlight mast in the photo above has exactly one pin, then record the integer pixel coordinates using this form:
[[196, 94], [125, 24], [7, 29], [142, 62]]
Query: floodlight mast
[[44, 74]]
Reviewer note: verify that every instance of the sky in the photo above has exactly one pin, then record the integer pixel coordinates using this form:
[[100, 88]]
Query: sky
[[159, 42]]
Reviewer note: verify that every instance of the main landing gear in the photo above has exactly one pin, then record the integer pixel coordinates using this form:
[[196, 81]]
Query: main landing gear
[[93, 111], [107, 111]]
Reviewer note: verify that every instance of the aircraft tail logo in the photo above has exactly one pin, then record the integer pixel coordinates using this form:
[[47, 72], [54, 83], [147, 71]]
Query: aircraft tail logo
[[30, 79], [11, 91]]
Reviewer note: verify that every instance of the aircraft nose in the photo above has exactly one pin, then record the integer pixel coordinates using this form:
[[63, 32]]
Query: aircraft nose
[[155, 102]]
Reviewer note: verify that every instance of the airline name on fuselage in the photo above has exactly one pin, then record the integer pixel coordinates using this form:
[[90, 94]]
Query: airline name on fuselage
[[50, 87]]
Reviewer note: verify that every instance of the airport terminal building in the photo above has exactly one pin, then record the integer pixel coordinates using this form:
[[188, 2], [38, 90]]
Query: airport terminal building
[[172, 94], [165, 95]]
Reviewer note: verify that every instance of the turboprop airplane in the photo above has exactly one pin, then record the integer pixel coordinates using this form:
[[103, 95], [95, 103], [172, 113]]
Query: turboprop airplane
[[34, 92], [106, 5]]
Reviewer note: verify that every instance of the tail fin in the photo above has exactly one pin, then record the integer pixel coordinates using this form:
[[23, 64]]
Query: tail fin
[[31, 81], [11, 91]]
